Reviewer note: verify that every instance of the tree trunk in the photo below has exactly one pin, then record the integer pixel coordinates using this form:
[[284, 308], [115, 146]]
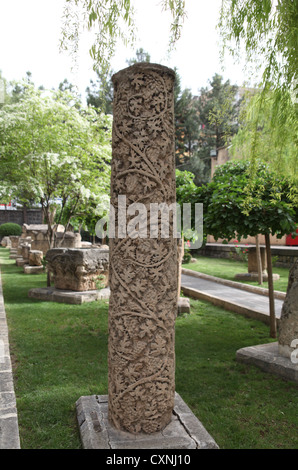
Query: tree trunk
[[271, 289], [25, 216], [259, 261]]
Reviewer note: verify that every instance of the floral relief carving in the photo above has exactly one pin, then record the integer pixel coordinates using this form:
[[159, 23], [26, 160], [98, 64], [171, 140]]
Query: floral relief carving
[[143, 271]]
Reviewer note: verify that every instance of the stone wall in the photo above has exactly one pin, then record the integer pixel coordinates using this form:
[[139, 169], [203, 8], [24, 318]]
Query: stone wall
[[34, 216], [252, 240], [285, 257]]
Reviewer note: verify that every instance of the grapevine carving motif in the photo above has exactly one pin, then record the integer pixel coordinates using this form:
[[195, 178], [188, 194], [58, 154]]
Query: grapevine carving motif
[[143, 271]]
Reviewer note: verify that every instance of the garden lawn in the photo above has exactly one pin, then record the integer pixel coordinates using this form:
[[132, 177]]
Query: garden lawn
[[59, 353], [227, 268]]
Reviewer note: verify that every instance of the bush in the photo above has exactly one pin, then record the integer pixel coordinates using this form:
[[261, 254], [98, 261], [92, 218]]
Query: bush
[[10, 229]]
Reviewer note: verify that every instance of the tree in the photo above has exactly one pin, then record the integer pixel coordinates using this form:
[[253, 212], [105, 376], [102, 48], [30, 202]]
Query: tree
[[219, 110], [268, 31], [204, 123], [3, 88], [54, 154], [187, 124], [236, 204], [100, 93], [267, 133], [112, 20], [141, 56]]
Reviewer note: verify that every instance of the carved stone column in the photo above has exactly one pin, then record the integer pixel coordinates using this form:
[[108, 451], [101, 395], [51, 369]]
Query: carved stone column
[[143, 270]]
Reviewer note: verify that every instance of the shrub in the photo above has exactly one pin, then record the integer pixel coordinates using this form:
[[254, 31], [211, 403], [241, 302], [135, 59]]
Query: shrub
[[10, 229]]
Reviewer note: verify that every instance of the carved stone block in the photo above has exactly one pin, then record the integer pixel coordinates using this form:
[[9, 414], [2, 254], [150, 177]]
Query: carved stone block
[[35, 257], [78, 269]]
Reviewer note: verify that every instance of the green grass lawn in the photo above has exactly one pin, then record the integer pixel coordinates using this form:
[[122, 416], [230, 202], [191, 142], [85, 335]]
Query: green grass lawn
[[227, 268], [59, 353]]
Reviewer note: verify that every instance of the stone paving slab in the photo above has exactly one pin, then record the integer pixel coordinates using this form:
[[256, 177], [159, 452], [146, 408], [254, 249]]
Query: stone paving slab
[[231, 298], [267, 358], [9, 430], [184, 431], [51, 294]]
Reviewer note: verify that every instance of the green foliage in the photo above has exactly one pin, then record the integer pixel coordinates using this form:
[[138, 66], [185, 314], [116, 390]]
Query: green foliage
[[269, 131], [111, 20], [60, 354], [203, 124], [52, 150], [185, 186], [100, 93], [235, 203], [141, 56], [10, 228], [268, 30]]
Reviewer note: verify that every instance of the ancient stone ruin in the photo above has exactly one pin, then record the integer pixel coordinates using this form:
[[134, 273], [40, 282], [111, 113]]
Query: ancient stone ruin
[[39, 237], [6, 242], [81, 269], [143, 271], [252, 268]]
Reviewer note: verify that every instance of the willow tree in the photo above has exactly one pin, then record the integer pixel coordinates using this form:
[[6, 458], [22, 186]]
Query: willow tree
[[267, 31], [111, 21]]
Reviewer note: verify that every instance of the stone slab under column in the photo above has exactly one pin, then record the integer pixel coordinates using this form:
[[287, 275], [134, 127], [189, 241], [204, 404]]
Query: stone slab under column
[[267, 358], [254, 277], [51, 294], [33, 269], [184, 431]]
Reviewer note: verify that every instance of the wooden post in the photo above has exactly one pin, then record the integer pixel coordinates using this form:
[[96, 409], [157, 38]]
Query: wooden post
[[259, 261], [271, 288]]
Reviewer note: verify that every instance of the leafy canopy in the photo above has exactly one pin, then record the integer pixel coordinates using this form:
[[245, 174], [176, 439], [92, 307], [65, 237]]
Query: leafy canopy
[[268, 29], [233, 203], [112, 20], [52, 150]]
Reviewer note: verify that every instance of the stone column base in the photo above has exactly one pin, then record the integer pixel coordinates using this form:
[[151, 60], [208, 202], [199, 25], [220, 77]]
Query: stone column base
[[184, 431], [268, 358]]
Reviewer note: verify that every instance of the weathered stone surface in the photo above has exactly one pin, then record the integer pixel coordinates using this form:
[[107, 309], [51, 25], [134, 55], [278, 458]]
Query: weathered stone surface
[[14, 241], [183, 305], [255, 277], [6, 242], [252, 260], [184, 431], [50, 294], [267, 358], [20, 262], [35, 257], [9, 431], [33, 269], [80, 269], [143, 271], [26, 247], [23, 241], [39, 237], [288, 326]]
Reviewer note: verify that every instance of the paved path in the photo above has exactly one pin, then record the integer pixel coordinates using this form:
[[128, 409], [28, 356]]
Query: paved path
[[9, 431], [231, 298]]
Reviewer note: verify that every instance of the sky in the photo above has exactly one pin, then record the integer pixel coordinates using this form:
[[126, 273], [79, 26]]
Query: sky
[[30, 32]]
